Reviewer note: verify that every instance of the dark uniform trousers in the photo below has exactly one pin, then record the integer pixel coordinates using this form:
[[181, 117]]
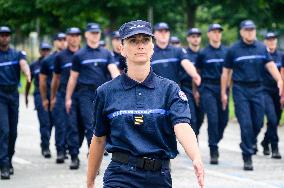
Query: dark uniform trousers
[[210, 98], [129, 176], [45, 121], [9, 111], [249, 110], [273, 113], [81, 119]]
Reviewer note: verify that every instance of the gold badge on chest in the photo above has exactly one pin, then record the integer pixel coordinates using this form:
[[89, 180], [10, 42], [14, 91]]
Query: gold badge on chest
[[138, 119]]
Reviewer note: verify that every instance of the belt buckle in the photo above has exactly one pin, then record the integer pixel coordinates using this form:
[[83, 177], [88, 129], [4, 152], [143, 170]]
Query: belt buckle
[[148, 163]]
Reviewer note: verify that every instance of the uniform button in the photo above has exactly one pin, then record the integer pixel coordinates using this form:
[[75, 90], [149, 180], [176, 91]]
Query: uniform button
[[139, 94]]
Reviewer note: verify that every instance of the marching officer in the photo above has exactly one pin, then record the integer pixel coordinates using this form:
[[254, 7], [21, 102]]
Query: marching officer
[[209, 63], [11, 62], [116, 46], [174, 40], [272, 100], [44, 116], [90, 68], [247, 58]]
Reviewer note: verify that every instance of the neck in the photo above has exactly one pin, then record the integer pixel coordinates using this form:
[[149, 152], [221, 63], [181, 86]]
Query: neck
[[215, 44], [248, 42], [271, 50], [138, 72], [162, 44], [93, 44], [4, 47], [73, 48], [194, 48]]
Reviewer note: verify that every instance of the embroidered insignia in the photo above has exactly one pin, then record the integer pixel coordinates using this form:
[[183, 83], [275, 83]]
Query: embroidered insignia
[[182, 95], [138, 119]]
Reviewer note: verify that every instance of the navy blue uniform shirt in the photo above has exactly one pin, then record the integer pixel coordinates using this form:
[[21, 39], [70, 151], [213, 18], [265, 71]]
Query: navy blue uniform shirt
[[10, 67], [35, 70], [167, 62], [92, 64], [268, 81], [47, 67], [119, 61], [142, 125], [62, 66], [210, 62], [247, 61]]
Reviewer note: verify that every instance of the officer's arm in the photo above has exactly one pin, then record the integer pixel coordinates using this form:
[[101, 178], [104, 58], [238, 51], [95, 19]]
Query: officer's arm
[[42, 86], [25, 69], [271, 67], [54, 85], [114, 71], [187, 139], [95, 158], [27, 90], [70, 89], [191, 71], [225, 78]]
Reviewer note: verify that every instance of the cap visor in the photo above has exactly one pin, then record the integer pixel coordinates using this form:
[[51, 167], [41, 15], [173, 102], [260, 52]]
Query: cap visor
[[94, 30], [138, 32]]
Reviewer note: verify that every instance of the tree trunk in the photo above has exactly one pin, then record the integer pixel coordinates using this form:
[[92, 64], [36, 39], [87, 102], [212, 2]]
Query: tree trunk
[[190, 10]]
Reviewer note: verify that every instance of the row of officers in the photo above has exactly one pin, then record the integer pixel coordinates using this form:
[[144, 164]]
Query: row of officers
[[66, 81]]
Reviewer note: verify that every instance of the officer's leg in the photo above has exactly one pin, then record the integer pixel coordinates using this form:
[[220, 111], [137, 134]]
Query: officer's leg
[[223, 118], [274, 134], [257, 113], [4, 131], [72, 134], [81, 128], [44, 126], [191, 104], [210, 106], [60, 122], [242, 111], [199, 116], [13, 122], [86, 102]]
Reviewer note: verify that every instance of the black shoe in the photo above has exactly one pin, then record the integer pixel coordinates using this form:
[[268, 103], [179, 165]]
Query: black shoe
[[5, 174], [266, 149], [75, 162], [276, 154], [11, 170], [105, 153], [247, 163], [214, 155], [46, 153], [60, 158]]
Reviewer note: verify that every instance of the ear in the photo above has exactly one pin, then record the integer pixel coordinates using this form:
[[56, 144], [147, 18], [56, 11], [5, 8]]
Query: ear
[[123, 53], [86, 34], [152, 49]]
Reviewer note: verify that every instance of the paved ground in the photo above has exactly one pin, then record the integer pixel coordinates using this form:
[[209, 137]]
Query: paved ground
[[33, 171]]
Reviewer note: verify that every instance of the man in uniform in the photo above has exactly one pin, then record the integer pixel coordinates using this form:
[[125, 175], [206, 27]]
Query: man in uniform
[[167, 60], [272, 100], [62, 66], [140, 132], [11, 62], [247, 59], [209, 63], [44, 116], [197, 115], [116, 46], [174, 40], [90, 68]]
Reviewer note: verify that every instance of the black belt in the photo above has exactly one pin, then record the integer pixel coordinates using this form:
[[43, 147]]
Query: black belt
[[211, 81], [8, 89], [86, 86], [144, 163], [248, 84]]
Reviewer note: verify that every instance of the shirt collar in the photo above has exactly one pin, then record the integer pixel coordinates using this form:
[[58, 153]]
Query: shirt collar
[[149, 82], [90, 48], [156, 47]]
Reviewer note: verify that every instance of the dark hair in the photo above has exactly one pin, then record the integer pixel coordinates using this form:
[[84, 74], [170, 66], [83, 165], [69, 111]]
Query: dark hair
[[153, 40]]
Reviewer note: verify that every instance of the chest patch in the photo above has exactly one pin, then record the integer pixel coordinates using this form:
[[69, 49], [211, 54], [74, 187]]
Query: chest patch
[[138, 119]]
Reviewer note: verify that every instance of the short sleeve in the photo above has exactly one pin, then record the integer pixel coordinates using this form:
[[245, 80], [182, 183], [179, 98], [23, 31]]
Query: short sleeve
[[44, 69], [22, 55], [182, 53], [178, 106], [101, 125], [268, 56], [76, 63], [110, 58], [228, 63], [57, 64]]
